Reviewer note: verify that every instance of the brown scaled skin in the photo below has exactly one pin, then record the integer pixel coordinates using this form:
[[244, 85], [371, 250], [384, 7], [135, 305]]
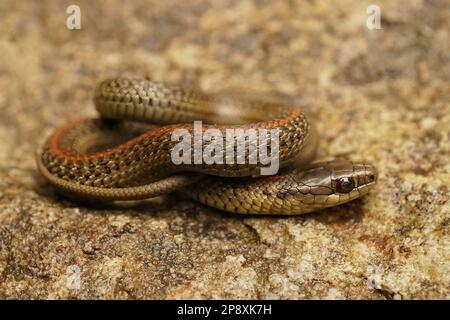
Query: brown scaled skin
[[106, 160], [321, 185]]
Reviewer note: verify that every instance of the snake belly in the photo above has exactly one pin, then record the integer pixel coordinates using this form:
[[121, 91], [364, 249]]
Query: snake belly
[[118, 157]]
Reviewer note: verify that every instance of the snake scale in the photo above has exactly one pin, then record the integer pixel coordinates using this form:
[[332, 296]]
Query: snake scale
[[120, 156]]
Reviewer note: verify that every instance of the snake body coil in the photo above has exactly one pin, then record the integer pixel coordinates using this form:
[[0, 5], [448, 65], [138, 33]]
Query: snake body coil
[[109, 159]]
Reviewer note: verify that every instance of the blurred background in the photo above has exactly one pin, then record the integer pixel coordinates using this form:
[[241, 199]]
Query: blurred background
[[376, 94]]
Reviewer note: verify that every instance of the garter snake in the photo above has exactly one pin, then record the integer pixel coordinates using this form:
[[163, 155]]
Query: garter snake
[[116, 158]]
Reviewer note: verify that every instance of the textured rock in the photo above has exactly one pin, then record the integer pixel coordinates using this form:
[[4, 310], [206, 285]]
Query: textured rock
[[381, 95]]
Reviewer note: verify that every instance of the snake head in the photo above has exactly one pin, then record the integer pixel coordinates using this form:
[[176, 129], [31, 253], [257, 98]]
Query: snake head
[[330, 183]]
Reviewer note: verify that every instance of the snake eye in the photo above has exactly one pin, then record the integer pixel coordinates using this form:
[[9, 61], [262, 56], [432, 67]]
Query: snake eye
[[345, 185]]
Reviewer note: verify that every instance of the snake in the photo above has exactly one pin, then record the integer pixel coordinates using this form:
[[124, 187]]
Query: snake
[[127, 152]]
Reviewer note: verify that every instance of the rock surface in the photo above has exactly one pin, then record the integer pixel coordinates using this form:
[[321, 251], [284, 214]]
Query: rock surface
[[380, 95]]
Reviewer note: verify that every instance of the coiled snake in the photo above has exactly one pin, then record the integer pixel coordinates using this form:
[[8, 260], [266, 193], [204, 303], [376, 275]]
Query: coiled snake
[[113, 159]]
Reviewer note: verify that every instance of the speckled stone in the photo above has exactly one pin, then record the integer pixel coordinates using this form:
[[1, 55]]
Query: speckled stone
[[380, 95]]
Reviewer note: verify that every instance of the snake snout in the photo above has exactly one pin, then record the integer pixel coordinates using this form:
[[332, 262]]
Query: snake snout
[[371, 174], [365, 177], [365, 174]]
